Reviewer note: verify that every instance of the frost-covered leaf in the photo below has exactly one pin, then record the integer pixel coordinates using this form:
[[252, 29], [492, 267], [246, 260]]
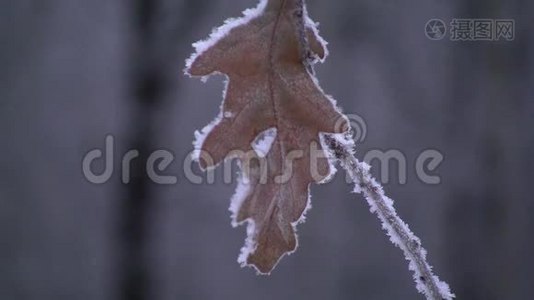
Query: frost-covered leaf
[[273, 108]]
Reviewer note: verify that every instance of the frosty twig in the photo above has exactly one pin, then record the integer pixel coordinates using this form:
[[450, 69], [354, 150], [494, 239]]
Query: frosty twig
[[399, 233]]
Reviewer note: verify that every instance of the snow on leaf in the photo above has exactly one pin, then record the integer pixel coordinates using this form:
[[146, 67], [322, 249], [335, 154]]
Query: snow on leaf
[[268, 88]]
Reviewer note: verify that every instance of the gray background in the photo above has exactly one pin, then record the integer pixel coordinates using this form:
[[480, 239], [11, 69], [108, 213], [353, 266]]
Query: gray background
[[73, 71]]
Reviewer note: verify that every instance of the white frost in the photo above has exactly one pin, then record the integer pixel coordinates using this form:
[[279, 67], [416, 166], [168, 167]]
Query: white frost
[[398, 231], [242, 190], [263, 142], [241, 193], [302, 218], [250, 244], [203, 45], [200, 135], [220, 32], [314, 26]]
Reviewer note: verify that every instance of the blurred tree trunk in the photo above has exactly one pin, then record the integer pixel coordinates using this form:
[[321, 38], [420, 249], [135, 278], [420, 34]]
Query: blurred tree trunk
[[153, 50]]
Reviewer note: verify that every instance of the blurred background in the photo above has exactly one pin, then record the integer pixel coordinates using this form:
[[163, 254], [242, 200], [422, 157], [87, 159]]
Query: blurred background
[[74, 71]]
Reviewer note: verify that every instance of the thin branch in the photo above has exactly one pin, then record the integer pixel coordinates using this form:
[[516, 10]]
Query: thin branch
[[398, 231]]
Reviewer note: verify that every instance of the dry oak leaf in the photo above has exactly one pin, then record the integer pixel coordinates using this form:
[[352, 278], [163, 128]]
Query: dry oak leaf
[[269, 91]]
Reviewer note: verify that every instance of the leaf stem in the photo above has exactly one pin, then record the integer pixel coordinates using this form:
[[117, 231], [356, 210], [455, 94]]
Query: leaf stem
[[398, 231]]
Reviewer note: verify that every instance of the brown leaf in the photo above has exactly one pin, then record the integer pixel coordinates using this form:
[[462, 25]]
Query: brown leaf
[[268, 87]]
